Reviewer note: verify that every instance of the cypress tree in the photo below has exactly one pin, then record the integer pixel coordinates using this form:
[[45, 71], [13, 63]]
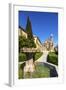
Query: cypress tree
[[29, 34], [29, 29]]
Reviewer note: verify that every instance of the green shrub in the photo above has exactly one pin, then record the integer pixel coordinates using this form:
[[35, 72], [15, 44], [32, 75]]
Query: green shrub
[[23, 42], [52, 58], [20, 72], [22, 57], [30, 43], [37, 55]]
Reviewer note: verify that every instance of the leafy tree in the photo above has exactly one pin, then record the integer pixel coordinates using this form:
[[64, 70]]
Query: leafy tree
[[22, 42]]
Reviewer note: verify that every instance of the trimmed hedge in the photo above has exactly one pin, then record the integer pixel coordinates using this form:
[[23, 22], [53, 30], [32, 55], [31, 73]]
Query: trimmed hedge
[[37, 55], [52, 58], [22, 57]]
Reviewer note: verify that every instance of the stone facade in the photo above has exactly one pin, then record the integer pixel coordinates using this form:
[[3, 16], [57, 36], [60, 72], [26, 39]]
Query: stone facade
[[21, 32], [37, 42], [48, 44]]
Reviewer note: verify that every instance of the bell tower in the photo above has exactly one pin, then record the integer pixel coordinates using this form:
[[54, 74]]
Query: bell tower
[[51, 37]]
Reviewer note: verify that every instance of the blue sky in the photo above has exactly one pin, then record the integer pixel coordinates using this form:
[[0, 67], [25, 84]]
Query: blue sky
[[43, 24]]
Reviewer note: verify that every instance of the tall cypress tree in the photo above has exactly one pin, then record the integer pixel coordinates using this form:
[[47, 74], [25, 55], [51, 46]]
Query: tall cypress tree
[[30, 34], [29, 29]]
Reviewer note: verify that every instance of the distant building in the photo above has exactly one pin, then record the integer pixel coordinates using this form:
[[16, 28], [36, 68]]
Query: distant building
[[48, 44]]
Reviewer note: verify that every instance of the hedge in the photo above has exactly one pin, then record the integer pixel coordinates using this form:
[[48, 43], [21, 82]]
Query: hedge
[[37, 55], [52, 58], [22, 57]]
